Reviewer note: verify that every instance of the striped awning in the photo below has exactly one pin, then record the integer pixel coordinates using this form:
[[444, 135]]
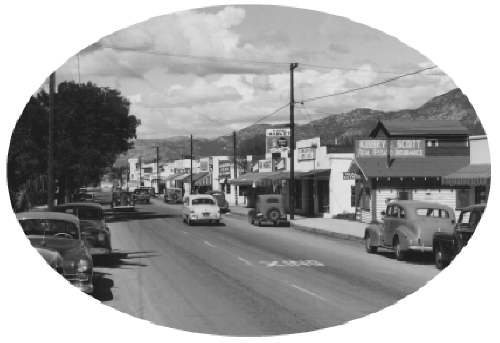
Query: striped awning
[[170, 177], [472, 175], [181, 177], [205, 180], [318, 174]]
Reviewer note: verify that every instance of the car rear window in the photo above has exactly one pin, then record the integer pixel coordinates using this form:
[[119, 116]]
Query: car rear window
[[203, 202], [272, 201], [433, 213]]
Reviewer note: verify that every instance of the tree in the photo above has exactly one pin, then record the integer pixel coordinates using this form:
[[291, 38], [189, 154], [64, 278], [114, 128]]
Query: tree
[[254, 145], [92, 127]]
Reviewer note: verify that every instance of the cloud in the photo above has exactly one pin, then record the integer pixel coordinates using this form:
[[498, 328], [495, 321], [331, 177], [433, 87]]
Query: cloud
[[339, 48]]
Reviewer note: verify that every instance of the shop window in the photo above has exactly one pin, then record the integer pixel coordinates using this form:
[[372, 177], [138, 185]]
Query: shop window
[[432, 143], [481, 195], [403, 195], [365, 199], [298, 194], [463, 198], [228, 189], [353, 196]]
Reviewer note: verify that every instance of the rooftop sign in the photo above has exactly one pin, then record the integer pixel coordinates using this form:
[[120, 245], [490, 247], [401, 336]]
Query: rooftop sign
[[400, 148]]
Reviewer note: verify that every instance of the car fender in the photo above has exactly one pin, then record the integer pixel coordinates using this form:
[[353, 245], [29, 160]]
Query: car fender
[[445, 241], [374, 231], [405, 236]]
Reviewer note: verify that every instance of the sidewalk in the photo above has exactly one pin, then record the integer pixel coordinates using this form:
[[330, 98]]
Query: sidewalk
[[332, 227]]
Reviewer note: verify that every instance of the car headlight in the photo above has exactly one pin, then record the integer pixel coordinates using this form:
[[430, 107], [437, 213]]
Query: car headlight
[[82, 266]]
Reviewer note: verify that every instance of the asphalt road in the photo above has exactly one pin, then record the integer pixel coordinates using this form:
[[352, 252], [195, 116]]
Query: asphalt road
[[241, 280]]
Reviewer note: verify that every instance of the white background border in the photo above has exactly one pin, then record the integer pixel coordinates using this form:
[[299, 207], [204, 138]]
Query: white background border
[[461, 37]]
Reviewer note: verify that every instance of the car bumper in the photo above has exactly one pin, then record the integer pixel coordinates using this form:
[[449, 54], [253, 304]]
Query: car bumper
[[84, 287], [99, 251], [420, 248]]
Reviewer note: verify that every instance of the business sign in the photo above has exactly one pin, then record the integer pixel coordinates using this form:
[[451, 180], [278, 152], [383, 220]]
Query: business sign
[[306, 154], [204, 166], [277, 140], [351, 176], [399, 148], [224, 171], [265, 165], [279, 164]]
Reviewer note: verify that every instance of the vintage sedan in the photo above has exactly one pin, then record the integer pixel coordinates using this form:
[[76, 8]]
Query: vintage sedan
[[92, 225], [122, 200], [221, 200], [173, 195], [83, 197], [409, 225], [142, 195], [269, 209], [447, 245], [200, 208], [56, 236]]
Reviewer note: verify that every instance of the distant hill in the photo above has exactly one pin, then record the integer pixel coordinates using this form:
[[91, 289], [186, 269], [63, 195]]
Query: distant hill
[[357, 123]]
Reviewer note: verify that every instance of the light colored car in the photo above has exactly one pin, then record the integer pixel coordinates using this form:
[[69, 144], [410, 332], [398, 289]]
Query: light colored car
[[200, 208], [409, 225]]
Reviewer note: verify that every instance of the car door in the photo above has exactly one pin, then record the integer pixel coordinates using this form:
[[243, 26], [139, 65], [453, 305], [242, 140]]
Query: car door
[[390, 218]]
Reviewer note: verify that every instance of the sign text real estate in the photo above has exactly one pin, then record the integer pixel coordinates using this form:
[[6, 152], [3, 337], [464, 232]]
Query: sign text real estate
[[399, 148]]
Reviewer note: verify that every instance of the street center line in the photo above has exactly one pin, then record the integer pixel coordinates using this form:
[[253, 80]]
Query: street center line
[[210, 245], [306, 291], [247, 262]]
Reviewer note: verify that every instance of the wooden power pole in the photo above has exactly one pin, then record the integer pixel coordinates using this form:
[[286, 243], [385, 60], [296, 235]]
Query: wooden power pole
[[291, 188], [235, 170], [191, 176], [50, 181]]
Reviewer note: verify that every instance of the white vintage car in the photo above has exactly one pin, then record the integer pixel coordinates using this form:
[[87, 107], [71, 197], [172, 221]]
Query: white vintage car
[[200, 208]]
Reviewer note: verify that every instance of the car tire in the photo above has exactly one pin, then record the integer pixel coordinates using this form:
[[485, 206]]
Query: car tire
[[438, 258], [259, 223], [398, 254], [189, 222], [273, 213], [369, 248]]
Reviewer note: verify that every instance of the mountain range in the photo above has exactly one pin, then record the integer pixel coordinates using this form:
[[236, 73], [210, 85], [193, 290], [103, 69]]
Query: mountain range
[[339, 129]]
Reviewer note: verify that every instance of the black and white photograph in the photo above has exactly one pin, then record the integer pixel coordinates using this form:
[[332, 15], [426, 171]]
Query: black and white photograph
[[267, 171]]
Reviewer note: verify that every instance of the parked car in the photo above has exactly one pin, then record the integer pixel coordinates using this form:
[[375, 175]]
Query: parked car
[[221, 200], [200, 208], [83, 197], [173, 195], [269, 209], [92, 225], [142, 195], [447, 245], [151, 190], [123, 200], [56, 236], [409, 226]]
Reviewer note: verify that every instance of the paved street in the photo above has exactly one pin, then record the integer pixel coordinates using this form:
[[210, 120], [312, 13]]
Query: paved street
[[238, 279]]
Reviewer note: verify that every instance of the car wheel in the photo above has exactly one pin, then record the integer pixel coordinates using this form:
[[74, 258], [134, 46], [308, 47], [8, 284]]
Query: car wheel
[[369, 248], [438, 257], [397, 250], [259, 223], [189, 222], [273, 213]]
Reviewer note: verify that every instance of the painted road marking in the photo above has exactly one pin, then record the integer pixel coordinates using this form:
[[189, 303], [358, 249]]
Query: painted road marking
[[247, 262], [308, 292], [306, 263], [187, 233], [210, 245]]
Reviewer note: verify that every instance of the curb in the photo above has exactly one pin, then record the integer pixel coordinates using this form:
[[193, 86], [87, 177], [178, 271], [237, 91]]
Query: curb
[[312, 230]]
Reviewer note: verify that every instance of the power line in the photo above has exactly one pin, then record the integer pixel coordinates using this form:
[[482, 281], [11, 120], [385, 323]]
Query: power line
[[279, 109], [369, 86], [362, 70]]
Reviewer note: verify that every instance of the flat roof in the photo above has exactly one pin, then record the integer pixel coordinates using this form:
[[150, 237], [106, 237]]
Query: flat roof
[[48, 215], [420, 128]]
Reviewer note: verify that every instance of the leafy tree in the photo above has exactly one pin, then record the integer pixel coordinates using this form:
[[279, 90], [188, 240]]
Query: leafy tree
[[92, 127]]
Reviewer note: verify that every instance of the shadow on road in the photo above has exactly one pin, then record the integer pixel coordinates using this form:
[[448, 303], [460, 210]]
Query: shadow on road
[[122, 259], [102, 287], [411, 257], [113, 217]]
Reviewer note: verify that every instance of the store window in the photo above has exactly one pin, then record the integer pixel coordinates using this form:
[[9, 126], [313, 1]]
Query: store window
[[463, 198], [298, 194], [481, 195], [228, 188], [432, 143], [353, 196], [365, 199], [403, 195]]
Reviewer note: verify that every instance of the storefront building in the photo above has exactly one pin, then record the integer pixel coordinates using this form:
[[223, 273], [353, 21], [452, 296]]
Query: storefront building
[[407, 160], [473, 181]]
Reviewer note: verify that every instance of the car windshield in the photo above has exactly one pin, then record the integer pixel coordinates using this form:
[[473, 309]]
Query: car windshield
[[141, 191], [49, 227], [84, 196], [88, 213], [202, 202], [433, 213]]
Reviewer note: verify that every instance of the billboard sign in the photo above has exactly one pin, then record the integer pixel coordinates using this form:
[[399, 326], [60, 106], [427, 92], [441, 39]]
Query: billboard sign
[[224, 171], [306, 154], [265, 165], [277, 140], [400, 148], [204, 165]]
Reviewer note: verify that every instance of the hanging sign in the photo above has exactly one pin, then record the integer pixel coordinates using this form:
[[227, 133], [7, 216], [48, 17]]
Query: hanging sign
[[351, 176]]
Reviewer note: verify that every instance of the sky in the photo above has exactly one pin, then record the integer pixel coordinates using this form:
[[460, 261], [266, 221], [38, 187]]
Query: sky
[[211, 71]]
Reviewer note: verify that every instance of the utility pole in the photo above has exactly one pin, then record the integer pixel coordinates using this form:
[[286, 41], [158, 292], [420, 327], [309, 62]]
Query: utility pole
[[291, 188], [191, 176], [235, 171], [158, 169], [140, 172], [50, 183]]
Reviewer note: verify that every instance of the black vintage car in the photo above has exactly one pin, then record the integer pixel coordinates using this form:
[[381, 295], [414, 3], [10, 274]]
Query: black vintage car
[[269, 209], [142, 195], [123, 200], [447, 245]]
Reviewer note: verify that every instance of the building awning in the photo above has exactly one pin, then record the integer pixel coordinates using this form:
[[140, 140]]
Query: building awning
[[429, 166], [181, 177], [472, 175], [318, 174], [205, 180], [249, 179], [170, 177]]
